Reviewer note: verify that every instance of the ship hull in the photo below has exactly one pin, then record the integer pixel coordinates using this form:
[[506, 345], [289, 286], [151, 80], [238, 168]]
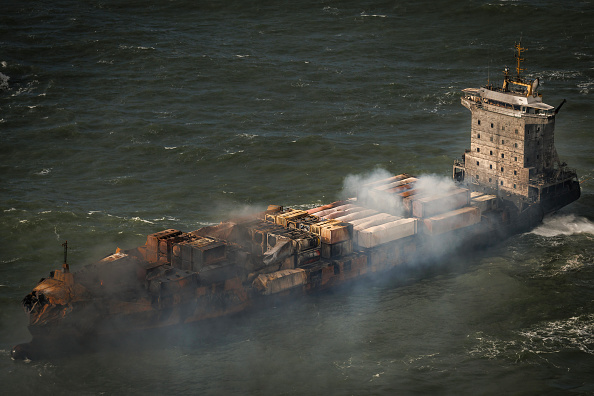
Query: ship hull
[[75, 324]]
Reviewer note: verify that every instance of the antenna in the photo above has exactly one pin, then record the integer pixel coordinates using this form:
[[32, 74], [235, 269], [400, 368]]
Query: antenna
[[519, 58], [65, 265]]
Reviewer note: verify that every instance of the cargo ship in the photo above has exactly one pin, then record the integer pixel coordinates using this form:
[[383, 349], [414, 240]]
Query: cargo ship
[[505, 183]]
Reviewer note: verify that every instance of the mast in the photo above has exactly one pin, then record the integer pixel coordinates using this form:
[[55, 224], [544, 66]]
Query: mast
[[519, 59]]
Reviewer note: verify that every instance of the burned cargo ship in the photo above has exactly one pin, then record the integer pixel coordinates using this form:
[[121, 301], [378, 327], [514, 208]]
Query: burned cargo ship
[[506, 182]]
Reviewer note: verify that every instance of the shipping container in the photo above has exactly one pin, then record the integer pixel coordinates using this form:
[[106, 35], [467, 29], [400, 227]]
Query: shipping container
[[387, 232], [337, 249], [484, 202], [324, 207], [366, 222], [360, 214], [335, 233], [280, 281], [453, 220], [441, 203]]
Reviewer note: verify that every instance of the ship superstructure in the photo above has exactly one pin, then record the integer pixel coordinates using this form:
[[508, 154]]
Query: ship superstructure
[[506, 182], [512, 147]]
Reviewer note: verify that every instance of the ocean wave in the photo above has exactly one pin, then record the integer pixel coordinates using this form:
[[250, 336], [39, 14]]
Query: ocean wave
[[363, 14], [4, 82], [165, 218], [564, 335], [573, 333], [564, 225], [136, 218], [140, 47], [585, 87], [43, 172]]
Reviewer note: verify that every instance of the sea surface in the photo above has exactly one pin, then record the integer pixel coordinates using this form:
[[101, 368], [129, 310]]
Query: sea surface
[[123, 118]]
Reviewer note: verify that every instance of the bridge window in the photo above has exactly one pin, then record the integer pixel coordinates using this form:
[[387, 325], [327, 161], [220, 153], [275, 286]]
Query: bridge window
[[490, 152], [502, 155], [491, 125], [489, 180], [477, 163], [477, 177], [478, 135], [501, 182], [479, 122], [502, 169], [490, 166], [478, 149], [516, 145], [502, 141], [516, 131], [514, 185], [516, 159]]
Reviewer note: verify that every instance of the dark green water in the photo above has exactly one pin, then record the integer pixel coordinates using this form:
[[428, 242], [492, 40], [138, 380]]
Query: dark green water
[[123, 118]]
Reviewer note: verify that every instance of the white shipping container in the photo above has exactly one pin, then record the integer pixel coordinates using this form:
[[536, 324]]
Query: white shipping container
[[325, 212], [452, 220], [356, 215], [388, 232], [436, 204], [354, 209], [380, 218]]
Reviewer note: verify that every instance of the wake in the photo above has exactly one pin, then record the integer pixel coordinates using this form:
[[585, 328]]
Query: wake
[[564, 225]]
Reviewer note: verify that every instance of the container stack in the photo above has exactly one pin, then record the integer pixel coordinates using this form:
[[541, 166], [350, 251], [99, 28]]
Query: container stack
[[193, 255], [387, 232], [484, 202], [445, 211], [159, 244], [439, 203], [388, 194]]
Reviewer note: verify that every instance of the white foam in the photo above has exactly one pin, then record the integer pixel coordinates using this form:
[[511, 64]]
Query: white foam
[[141, 220], [564, 225], [44, 171]]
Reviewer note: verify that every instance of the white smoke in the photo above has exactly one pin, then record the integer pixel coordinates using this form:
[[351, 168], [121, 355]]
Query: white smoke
[[438, 246], [358, 186], [434, 185]]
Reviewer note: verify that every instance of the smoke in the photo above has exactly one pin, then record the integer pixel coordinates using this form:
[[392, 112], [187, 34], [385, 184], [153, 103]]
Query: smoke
[[361, 186], [434, 185], [435, 249], [225, 210], [564, 225]]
